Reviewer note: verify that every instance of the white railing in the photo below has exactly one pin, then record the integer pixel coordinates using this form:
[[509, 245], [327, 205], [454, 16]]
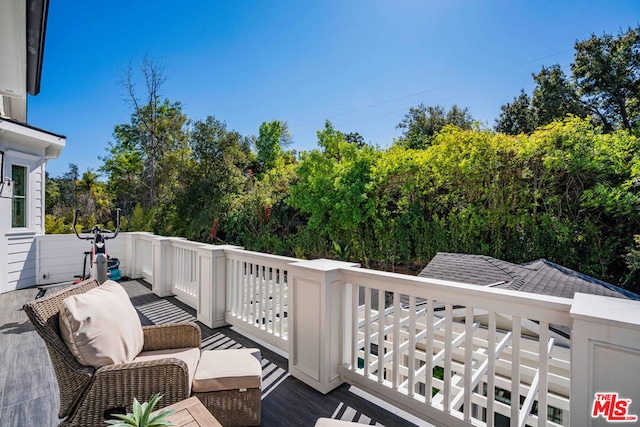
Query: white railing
[[450, 353], [143, 247], [446, 350], [185, 271], [257, 294]]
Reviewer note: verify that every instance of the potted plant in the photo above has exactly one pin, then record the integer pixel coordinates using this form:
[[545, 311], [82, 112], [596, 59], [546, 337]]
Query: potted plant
[[141, 416]]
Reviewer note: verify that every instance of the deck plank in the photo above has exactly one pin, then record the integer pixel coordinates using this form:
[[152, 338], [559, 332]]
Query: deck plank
[[29, 392]]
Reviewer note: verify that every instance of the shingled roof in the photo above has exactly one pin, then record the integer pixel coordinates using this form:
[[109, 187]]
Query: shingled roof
[[537, 277]]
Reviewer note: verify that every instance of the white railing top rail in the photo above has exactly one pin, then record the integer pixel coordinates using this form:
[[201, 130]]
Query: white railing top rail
[[142, 235], [178, 242], [551, 309], [244, 255]]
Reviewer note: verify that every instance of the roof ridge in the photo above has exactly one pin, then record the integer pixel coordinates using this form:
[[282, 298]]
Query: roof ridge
[[499, 264], [591, 279]]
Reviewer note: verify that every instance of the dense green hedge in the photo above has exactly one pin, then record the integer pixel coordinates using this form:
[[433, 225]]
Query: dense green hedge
[[568, 193]]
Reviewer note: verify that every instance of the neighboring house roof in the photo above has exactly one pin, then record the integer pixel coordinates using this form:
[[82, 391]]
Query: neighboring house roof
[[537, 277]]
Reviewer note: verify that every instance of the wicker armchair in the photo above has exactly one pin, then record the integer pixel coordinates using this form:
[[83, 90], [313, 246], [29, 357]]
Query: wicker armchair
[[86, 393]]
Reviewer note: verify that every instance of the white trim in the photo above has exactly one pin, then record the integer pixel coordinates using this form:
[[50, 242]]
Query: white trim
[[22, 155], [14, 133], [27, 196]]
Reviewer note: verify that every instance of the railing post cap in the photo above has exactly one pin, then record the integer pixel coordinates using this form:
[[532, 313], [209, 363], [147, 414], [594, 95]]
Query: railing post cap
[[323, 264], [608, 310]]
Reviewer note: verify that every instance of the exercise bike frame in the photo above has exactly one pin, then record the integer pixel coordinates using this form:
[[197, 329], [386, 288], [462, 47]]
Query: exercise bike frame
[[99, 261]]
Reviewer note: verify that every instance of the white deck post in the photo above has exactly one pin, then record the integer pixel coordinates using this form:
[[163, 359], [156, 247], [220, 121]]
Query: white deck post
[[316, 325], [131, 265], [605, 356], [162, 266], [212, 282]]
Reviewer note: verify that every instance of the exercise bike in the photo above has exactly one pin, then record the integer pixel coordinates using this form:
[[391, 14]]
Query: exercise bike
[[101, 266]]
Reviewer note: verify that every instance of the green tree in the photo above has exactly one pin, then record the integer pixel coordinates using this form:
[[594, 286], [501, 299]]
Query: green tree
[[124, 166], [52, 194], [554, 97], [516, 117], [215, 177], [422, 123], [271, 138], [138, 172], [331, 190], [157, 127], [607, 74], [94, 202]]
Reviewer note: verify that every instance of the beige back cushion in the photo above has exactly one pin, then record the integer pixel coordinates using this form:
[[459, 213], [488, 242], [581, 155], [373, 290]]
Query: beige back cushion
[[101, 327]]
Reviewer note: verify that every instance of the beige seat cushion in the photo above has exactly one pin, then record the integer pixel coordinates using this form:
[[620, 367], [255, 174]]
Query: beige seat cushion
[[191, 356], [228, 370], [101, 326]]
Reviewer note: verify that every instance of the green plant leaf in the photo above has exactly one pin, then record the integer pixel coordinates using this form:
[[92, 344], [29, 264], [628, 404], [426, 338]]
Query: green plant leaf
[[159, 419]]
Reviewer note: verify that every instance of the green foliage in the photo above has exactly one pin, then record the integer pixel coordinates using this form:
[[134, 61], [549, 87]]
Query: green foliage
[[632, 259], [332, 191], [141, 416], [141, 220], [554, 97], [145, 162], [517, 117], [54, 225], [213, 180], [605, 84], [551, 183], [422, 123], [272, 135], [607, 74]]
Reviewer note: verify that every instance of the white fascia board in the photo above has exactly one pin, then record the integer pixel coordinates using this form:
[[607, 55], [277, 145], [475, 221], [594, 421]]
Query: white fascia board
[[33, 138]]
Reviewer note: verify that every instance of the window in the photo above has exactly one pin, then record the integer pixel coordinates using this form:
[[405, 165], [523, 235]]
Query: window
[[19, 211]]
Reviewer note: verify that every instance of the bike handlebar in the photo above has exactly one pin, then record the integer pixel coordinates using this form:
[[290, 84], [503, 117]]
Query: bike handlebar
[[96, 229]]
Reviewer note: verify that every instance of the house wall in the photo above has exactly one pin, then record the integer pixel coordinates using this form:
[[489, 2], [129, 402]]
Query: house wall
[[17, 246]]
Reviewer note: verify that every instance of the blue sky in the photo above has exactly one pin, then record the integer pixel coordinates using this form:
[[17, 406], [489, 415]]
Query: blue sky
[[359, 63]]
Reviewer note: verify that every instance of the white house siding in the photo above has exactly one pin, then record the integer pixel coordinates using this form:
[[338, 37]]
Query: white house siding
[[17, 246], [21, 260]]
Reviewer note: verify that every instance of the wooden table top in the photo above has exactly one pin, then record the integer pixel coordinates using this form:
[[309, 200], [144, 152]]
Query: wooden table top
[[192, 413]]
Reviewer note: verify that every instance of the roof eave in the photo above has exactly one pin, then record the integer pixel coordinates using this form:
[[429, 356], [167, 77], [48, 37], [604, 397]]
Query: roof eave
[[37, 12]]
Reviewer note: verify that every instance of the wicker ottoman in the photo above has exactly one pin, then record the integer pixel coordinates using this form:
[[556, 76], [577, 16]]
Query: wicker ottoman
[[228, 383]]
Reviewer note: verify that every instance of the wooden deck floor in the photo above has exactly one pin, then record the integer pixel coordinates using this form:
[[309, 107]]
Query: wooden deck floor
[[29, 391]]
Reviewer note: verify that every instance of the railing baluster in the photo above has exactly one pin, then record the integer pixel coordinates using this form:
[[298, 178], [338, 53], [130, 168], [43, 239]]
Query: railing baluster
[[448, 353], [367, 332], [491, 369], [255, 295], [355, 309], [237, 287], [411, 387], [245, 291], [260, 298], [281, 285], [381, 327], [428, 371], [543, 368], [229, 307], [396, 341], [269, 299], [468, 359], [515, 370]]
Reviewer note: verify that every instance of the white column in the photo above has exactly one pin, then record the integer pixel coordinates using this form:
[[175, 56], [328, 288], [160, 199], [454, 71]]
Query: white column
[[212, 282], [162, 279], [605, 355], [316, 326]]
